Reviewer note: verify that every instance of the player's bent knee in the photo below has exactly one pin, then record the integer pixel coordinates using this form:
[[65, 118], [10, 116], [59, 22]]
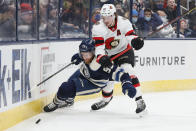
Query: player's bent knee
[[67, 90]]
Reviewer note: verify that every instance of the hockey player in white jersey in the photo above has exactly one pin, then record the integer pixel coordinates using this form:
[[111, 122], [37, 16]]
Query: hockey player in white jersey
[[90, 78], [115, 40]]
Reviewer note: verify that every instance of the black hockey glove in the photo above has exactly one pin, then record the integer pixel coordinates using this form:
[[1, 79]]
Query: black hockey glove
[[137, 43], [104, 61], [76, 59]]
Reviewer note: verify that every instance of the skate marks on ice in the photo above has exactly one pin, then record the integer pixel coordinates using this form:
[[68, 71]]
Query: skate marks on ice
[[166, 111]]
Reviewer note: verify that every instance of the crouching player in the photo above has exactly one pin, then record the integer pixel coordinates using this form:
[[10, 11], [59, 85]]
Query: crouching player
[[90, 78]]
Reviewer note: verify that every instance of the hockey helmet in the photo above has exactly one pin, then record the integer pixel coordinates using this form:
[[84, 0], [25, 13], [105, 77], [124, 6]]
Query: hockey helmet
[[87, 45], [108, 10]]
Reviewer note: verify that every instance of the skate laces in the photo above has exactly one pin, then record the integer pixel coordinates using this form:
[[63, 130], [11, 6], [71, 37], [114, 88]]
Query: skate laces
[[51, 105], [101, 103]]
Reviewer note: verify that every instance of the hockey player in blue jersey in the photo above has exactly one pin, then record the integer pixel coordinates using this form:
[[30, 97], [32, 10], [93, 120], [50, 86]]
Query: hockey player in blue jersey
[[90, 78]]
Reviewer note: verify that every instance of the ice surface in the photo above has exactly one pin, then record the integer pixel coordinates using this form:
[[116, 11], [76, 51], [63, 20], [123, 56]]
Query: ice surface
[[167, 111]]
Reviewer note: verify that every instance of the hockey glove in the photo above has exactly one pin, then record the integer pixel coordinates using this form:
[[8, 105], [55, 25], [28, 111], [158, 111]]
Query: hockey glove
[[137, 43], [76, 59], [104, 60], [128, 89]]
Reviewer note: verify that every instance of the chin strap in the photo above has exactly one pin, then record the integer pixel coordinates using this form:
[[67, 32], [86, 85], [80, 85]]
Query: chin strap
[[113, 21]]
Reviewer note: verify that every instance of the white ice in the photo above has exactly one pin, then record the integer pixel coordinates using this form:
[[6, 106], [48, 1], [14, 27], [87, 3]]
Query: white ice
[[167, 111]]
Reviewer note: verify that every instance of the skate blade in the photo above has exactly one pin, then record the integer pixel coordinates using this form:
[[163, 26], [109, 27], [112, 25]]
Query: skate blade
[[92, 110], [142, 114]]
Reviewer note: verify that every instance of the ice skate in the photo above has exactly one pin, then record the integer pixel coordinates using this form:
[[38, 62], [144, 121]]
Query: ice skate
[[50, 107], [56, 103], [100, 105], [141, 107]]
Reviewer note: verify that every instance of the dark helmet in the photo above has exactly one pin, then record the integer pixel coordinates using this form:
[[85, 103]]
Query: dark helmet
[[87, 45]]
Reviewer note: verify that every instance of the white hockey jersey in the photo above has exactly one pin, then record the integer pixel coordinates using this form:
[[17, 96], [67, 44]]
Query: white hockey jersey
[[112, 41]]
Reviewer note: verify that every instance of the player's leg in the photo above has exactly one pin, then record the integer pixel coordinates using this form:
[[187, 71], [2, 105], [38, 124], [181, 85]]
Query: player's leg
[[127, 62], [107, 95], [65, 95], [63, 98], [141, 106]]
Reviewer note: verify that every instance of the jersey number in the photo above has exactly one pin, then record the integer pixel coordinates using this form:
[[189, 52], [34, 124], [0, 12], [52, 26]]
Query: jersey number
[[106, 69]]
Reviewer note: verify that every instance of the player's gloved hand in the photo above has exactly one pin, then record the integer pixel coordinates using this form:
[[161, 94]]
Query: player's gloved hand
[[128, 89], [137, 43], [104, 60], [76, 59]]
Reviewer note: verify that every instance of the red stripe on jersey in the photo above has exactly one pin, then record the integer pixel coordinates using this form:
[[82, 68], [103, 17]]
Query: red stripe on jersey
[[99, 44], [121, 53], [98, 38], [98, 41], [136, 85], [99, 57], [129, 33]]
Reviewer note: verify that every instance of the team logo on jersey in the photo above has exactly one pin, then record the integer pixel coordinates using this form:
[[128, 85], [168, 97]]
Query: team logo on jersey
[[114, 43], [111, 43], [85, 71]]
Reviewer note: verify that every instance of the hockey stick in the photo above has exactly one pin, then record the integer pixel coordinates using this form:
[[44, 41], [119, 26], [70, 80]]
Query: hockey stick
[[37, 85], [171, 22], [54, 74]]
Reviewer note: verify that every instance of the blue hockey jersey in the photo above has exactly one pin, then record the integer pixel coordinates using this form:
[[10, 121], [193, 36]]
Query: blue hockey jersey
[[96, 73]]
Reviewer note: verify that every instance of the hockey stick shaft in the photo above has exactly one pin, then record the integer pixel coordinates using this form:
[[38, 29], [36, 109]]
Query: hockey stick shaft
[[171, 22], [116, 56], [54, 74]]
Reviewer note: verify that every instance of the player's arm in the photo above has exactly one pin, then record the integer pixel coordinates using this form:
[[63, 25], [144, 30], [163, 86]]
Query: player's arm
[[102, 58], [98, 33], [99, 45], [136, 41]]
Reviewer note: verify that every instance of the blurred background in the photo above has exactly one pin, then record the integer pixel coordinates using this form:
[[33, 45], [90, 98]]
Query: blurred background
[[62, 19]]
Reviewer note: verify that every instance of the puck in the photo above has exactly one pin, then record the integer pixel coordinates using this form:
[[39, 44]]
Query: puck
[[37, 121]]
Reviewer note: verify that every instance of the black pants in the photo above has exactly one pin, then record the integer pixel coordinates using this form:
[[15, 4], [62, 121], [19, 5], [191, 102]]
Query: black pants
[[128, 57]]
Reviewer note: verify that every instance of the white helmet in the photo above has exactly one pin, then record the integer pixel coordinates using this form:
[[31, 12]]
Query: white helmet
[[108, 10]]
